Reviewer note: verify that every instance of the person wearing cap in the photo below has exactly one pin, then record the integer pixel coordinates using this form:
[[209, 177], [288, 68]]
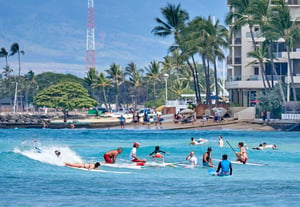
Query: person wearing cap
[[133, 156], [207, 160]]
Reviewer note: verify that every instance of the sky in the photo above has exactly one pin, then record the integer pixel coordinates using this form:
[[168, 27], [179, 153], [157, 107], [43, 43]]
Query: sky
[[52, 33]]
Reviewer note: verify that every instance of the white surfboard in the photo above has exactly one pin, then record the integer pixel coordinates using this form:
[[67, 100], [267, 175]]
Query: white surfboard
[[159, 164], [122, 165], [247, 163], [99, 170]]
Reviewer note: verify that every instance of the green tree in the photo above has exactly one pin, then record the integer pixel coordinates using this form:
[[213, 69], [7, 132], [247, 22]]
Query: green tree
[[135, 79], [153, 73], [65, 96], [104, 83], [115, 74]]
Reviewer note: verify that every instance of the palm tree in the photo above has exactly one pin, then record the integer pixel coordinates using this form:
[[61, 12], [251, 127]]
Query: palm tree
[[15, 49], [29, 84], [260, 55], [4, 53], [282, 24], [179, 86], [115, 74], [135, 79], [217, 38], [90, 78], [242, 13], [174, 20], [153, 73], [104, 83]]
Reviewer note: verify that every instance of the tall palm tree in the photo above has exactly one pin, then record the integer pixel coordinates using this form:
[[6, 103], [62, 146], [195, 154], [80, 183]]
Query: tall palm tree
[[4, 53], [115, 74], [282, 24], [217, 38], [174, 20], [29, 84], [135, 79], [15, 49], [104, 83], [153, 73]]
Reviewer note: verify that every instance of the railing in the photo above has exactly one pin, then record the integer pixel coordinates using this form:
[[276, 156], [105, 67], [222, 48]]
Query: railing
[[252, 78], [293, 2]]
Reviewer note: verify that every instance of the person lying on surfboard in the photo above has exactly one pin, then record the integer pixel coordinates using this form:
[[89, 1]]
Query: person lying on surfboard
[[133, 156], [89, 166], [193, 141], [157, 154], [207, 160], [111, 156], [242, 155], [225, 167]]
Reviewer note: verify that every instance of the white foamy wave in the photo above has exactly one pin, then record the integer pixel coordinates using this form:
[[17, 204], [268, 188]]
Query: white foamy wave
[[47, 154]]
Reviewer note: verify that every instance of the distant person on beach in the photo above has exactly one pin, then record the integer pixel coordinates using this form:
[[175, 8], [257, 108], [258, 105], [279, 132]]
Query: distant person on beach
[[193, 141], [192, 159], [111, 156], [207, 159], [133, 156], [122, 121], [225, 167], [157, 154], [89, 166], [221, 143], [242, 155]]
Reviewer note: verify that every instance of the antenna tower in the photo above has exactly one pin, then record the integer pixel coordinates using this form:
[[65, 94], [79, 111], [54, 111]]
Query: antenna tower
[[90, 60]]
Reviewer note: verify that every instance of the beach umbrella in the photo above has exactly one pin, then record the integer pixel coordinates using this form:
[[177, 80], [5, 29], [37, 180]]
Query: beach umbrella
[[187, 111], [160, 108]]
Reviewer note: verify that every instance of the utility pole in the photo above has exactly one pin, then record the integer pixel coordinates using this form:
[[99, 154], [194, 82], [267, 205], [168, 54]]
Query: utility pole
[[90, 61]]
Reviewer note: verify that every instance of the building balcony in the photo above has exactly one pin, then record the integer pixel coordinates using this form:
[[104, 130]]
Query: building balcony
[[293, 2], [237, 60]]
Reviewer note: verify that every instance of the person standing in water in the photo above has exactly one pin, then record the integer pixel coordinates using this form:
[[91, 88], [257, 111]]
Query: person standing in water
[[207, 160], [192, 159], [221, 143]]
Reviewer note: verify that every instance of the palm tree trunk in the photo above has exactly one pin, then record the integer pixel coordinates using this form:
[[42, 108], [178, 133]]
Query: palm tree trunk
[[197, 80], [291, 74], [194, 78], [105, 98]]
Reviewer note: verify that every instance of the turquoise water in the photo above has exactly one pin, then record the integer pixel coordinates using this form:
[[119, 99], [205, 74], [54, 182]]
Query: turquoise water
[[29, 178]]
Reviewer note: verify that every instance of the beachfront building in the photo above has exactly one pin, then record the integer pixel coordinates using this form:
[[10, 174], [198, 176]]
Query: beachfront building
[[244, 78]]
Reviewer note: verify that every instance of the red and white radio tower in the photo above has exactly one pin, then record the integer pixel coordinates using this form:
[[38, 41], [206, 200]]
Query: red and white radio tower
[[90, 60]]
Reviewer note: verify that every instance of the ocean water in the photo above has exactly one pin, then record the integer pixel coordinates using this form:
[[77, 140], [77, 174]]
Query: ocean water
[[29, 178]]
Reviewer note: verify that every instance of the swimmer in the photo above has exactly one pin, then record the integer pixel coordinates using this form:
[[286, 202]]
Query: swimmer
[[224, 166], [57, 152], [193, 141]]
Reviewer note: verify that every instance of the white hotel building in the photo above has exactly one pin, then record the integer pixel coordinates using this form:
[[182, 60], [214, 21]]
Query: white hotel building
[[244, 81]]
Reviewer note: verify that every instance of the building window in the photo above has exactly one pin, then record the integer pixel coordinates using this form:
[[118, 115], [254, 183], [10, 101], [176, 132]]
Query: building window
[[256, 71]]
